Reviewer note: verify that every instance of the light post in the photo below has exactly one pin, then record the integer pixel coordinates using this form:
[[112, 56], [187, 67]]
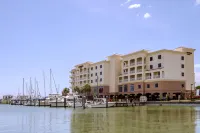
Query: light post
[[191, 92]]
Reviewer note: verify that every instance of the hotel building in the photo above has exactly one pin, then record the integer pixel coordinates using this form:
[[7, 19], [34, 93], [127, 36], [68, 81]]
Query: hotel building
[[142, 72]]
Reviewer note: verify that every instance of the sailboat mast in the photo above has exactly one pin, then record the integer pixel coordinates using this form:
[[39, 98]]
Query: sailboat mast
[[44, 84], [54, 83], [30, 88], [50, 83], [23, 88]]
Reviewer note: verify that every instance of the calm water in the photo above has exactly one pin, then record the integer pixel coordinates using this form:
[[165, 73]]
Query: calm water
[[146, 119]]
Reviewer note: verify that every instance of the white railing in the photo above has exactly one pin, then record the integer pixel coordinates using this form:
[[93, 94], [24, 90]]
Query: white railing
[[156, 76], [125, 72], [125, 80], [140, 62], [132, 79], [148, 77], [133, 71], [140, 70], [139, 78], [132, 64], [125, 65]]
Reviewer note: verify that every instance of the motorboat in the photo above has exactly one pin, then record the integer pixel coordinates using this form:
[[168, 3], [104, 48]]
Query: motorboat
[[69, 101], [100, 103]]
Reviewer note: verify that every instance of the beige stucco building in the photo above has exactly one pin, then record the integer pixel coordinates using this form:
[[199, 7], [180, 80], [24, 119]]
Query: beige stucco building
[[142, 72]]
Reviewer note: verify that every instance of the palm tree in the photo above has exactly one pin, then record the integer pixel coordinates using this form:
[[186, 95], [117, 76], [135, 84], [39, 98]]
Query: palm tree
[[86, 88], [76, 89], [65, 91]]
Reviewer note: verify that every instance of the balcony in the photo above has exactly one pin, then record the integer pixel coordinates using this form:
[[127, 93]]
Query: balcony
[[156, 76], [125, 65], [139, 62], [148, 77], [132, 79], [125, 80], [81, 73], [86, 72], [120, 81], [133, 71], [132, 64], [125, 72], [139, 78], [140, 70]]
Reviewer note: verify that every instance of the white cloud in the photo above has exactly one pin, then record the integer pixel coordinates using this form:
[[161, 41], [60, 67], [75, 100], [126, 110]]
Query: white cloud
[[147, 15], [128, 1], [197, 65], [197, 2], [134, 6]]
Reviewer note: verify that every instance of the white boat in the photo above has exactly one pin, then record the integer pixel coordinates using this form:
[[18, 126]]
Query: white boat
[[100, 103], [69, 101], [30, 103]]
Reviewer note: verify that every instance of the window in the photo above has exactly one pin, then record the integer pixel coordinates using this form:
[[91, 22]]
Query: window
[[95, 74], [96, 67], [91, 81], [91, 75], [182, 85], [100, 73], [159, 65], [125, 88], [151, 66], [182, 57], [182, 74], [132, 87], [120, 88], [159, 56], [100, 79], [139, 86], [91, 68], [156, 85], [182, 65], [148, 85], [151, 58], [100, 66]]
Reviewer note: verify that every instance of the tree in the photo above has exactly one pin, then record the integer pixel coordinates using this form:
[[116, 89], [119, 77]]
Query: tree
[[65, 91], [86, 88], [76, 89], [197, 87]]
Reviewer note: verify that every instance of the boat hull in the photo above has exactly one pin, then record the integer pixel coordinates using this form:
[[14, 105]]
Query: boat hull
[[103, 105]]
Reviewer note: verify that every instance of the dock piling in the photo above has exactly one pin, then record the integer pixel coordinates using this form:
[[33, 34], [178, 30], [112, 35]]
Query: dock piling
[[74, 102]]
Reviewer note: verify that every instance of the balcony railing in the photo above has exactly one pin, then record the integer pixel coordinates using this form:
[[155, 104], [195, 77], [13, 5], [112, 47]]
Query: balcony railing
[[125, 80], [125, 65], [139, 62], [132, 64], [120, 80], [81, 73], [156, 76], [133, 71], [140, 70], [139, 78], [125, 72], [148, 77], [132, 79]]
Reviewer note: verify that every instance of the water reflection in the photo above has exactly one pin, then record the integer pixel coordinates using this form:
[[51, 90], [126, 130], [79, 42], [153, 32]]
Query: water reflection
[[137, 119], [152, 119]]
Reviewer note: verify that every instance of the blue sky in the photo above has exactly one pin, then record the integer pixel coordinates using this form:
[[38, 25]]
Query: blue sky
[[38, 35]]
